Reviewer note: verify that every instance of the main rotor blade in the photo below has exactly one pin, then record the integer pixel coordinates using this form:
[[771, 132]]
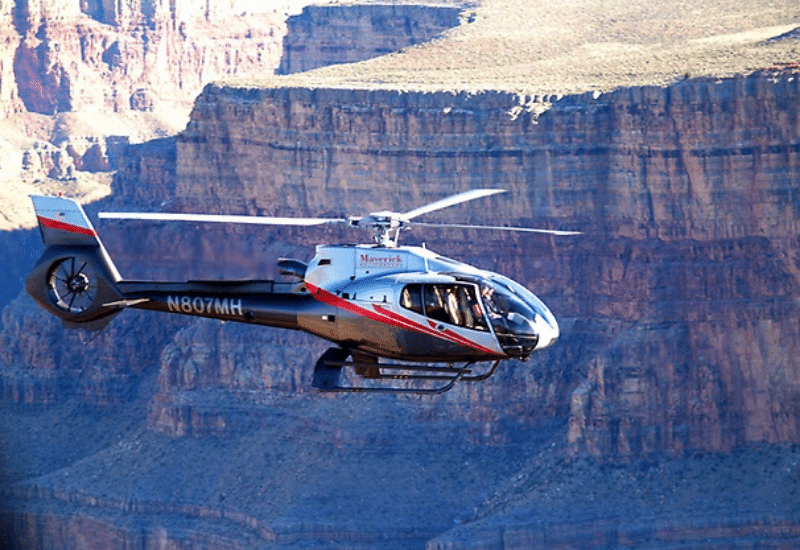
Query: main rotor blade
[[451, 200], [215, 218], [500, 228]]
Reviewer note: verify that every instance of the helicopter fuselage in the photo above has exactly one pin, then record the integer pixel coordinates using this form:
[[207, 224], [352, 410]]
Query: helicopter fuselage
[[402, 303]]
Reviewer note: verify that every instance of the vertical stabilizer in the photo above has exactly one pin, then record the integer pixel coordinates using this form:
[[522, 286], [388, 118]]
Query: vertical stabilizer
[[74, 279], [63, 222]]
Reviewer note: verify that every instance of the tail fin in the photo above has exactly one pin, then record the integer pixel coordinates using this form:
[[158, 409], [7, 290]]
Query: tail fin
[[62, 222], [75, 278]]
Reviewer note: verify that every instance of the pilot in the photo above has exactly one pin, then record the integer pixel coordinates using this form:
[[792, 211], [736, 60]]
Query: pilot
[[494, 305], [405, 298], [488, 299]]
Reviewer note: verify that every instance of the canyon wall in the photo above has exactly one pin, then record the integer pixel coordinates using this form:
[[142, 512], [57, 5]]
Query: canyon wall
[[678, 304], [679, 301], [329, 35], [120, 56], [678, 307]]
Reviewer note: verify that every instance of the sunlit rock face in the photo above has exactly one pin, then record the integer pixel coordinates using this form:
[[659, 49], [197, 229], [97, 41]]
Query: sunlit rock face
[[333, 34], [72, 56]]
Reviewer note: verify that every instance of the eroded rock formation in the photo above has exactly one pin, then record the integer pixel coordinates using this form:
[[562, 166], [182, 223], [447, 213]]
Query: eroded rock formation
[[67, 56]]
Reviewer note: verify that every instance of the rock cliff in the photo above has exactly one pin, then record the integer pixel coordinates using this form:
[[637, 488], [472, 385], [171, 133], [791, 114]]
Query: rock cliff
[[686, 194], [119, 56], [329, 35], [678, 309], [79, 80]]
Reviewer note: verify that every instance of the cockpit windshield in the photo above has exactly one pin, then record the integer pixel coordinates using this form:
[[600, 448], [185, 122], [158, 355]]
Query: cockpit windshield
[[518, 317]]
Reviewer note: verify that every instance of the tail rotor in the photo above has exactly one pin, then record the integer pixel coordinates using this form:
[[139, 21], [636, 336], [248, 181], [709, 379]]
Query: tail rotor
[[72, 285]]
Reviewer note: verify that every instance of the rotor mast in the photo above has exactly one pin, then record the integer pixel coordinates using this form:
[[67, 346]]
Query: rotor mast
[[385, 225]]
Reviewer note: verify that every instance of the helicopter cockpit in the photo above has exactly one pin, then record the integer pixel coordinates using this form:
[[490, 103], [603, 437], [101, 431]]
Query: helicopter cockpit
[[521, 322]]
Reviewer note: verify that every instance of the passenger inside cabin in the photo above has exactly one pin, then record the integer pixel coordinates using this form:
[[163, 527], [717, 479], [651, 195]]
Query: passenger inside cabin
[[455, 304]]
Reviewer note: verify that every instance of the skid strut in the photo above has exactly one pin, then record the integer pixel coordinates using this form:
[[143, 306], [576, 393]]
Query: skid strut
[[328, 372]]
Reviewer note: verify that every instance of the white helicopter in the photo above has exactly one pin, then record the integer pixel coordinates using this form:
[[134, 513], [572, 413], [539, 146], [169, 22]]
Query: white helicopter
[[376, 301]]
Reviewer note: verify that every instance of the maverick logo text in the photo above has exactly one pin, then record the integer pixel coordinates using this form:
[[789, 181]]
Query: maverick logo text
[[369, 261]]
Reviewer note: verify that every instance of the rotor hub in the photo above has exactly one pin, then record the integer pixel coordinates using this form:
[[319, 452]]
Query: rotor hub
[[386, 225], [78, 283]]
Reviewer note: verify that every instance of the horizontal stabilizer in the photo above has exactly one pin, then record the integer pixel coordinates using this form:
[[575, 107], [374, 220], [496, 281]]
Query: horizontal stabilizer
[[126, 303]]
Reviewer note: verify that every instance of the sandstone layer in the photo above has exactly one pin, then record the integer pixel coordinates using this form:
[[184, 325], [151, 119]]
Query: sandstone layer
[[67, 56], [80, 80]]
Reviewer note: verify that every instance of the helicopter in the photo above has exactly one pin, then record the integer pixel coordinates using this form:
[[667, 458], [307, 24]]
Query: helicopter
[[423, 314]]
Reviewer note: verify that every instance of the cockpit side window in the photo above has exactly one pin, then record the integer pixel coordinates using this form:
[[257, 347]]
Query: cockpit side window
[[411, 298], [455, 304], [514, 313], [504, 307]]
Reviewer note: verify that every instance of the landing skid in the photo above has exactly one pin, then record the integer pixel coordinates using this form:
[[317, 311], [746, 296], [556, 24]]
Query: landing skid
[[328, 373]]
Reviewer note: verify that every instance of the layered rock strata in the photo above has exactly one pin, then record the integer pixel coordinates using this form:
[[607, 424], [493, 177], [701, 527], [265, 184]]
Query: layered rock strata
[[330, 35], [71, 56], [679, 302], [688, 258], [678, 309]]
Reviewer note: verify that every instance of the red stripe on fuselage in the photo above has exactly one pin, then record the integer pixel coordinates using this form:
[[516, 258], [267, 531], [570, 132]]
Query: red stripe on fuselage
[[383, 315], [449, 334], [55, 224]]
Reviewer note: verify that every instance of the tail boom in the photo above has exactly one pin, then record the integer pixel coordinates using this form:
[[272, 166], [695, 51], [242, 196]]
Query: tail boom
[[259, 302]]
